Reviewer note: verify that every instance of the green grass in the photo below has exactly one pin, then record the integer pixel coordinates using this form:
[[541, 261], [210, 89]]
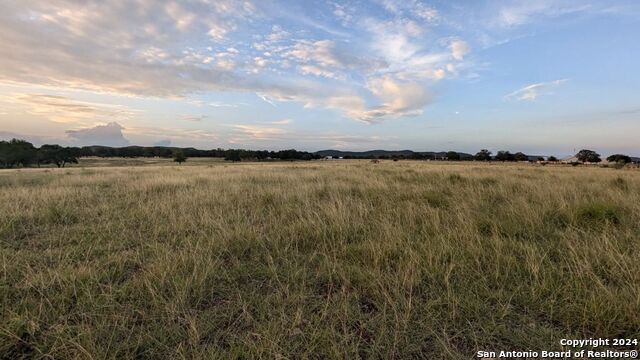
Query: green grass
[[315, 260]]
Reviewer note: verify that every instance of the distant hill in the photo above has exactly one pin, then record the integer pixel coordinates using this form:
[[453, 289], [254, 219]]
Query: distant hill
[[387, 153]]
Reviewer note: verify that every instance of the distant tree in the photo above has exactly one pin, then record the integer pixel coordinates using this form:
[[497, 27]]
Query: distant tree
[[233, 155], [17, 153], [540, 158], [179, 157], [588, 156], [56, 154], [504, 156], [520, 157], [552, 158], [483, 155], [5, 154], [453, 156], [619, 158]]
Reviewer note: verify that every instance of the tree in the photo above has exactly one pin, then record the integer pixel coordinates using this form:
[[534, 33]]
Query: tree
[[5, 154], [483, 155], [552, 158], [17, 153], [56, 154], [520, 157], [619, 158], [453, 156], [233, 155], [179, 157], [591, 156], [504, 156]]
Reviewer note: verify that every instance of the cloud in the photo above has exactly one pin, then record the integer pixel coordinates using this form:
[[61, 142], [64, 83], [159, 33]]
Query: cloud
[[399, 99], [194, 118], [343, 13], [131, 48], [174, 134], [174, 49], [413, 8], [517, 13], [533, 91], [459, 49], [259, 132], [282, 122], [107, 135], [62, 109]]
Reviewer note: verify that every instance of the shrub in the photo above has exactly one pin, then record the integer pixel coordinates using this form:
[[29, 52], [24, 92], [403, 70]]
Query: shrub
[[179, 157], [599, 214]]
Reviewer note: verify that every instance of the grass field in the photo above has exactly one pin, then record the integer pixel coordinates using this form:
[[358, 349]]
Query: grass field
[[341, 259]]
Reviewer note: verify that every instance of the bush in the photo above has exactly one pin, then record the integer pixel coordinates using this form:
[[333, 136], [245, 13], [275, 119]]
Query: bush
[[599, 214], [179, 157]]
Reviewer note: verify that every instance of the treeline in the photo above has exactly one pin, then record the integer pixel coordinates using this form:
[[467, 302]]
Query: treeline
[[21, 153], [17, 153]]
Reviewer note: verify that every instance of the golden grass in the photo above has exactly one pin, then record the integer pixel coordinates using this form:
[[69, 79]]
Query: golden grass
[[340, 259]]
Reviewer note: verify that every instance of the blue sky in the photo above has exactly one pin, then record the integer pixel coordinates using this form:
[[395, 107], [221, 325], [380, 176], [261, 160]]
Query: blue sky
[[543, 77]]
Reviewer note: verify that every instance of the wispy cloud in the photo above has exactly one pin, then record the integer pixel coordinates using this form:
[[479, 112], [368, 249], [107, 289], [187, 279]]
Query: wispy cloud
[[194, 118], [533, 91], [282, 122], [63, 109], [516, 13]]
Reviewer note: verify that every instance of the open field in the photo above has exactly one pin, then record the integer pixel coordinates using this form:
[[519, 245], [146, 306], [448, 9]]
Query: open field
[[340, 259], [111, 161]]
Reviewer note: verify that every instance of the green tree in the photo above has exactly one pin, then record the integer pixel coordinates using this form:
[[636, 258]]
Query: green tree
[[520, 157], [591, 156], [56, 154], [233, 155], [504, 156], [552, 158], [453, 156], [179, 157], [619, 158], [483, 155], [17, 153]]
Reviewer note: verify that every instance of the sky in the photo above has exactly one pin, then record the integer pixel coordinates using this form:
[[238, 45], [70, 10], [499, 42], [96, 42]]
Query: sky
[[543, 77]]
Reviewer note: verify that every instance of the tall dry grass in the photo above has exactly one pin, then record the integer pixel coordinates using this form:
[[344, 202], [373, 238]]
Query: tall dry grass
[[322, 260]]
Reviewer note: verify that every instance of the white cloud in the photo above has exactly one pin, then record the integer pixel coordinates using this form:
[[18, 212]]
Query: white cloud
[[107, 135], [277, 34], [183, 18], [399, 99], [516, 13], [194, 118], [343, 13], [147, 48], [533, 91], [62, 109], [321, 52], [319, 71], [282, 122], [413, 8], [260, 132], [459, 49]]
